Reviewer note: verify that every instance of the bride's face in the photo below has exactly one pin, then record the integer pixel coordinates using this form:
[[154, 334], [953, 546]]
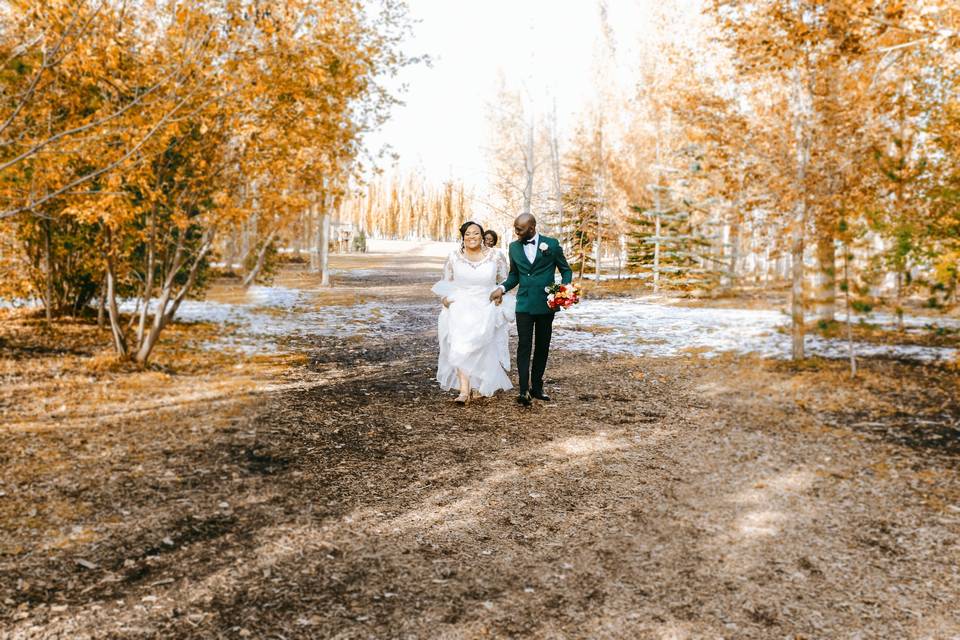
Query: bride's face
[[472, 239]]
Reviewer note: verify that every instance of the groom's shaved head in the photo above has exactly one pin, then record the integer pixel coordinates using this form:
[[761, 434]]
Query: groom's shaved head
[[525, 226]]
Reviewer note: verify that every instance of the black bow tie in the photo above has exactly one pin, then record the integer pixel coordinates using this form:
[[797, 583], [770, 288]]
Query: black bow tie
[[530, 241]]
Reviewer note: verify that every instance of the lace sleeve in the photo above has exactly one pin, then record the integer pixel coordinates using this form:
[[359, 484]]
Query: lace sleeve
[[503, 267], [448, 269], [446, 288]]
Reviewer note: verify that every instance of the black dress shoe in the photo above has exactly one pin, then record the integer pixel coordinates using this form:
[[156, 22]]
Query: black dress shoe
[[524, 399], [540, 395]]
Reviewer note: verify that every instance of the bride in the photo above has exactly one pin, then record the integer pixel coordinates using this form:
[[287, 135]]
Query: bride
[[473, 330]]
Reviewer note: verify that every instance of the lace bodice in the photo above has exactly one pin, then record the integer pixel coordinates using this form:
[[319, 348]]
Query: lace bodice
[[489, 271]]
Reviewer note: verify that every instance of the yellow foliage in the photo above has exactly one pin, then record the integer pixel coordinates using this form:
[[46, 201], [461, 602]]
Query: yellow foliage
[[162, 122]]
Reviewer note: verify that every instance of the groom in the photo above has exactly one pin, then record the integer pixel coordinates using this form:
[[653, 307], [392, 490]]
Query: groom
[[533, 261]]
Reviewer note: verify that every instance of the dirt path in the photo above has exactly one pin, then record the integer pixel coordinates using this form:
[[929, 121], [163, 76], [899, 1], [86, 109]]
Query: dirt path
[[656, 498]]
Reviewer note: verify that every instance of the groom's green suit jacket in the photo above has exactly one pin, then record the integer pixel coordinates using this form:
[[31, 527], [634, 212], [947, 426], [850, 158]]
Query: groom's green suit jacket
[[534, 278]]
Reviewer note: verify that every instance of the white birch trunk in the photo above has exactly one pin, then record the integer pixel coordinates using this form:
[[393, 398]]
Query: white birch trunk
[[119, 341], [555, 166], [802, 116], [529, 168], [325, 249], [602, 204]]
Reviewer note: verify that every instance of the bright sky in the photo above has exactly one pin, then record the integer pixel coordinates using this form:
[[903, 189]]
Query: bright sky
[[443, 126], [546, 45]]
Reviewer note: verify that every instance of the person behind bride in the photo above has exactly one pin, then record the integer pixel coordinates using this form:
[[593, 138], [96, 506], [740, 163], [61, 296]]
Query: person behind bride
[[472, 330], [490, 239], [508, 307]]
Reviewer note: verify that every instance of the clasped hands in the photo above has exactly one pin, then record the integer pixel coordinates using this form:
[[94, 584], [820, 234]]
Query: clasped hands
[[496, 296]]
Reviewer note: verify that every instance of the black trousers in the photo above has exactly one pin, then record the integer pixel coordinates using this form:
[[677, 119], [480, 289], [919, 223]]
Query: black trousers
[[533, 333]]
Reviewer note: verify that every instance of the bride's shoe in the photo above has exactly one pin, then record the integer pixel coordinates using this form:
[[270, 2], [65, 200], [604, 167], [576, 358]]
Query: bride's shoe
[[463, 399]]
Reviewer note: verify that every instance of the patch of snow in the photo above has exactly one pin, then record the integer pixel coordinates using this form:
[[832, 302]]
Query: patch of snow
[[632, 326], [259, 332], [275, 297], [273, 315], [612, 276], [411, 247], [910, 323], [20, 303], [357, 273]]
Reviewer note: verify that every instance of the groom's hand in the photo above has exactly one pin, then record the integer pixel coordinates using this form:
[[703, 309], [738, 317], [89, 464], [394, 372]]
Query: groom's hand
[[496, 295]]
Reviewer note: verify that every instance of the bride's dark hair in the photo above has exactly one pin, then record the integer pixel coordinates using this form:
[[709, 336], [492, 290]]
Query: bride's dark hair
[[466, 225]]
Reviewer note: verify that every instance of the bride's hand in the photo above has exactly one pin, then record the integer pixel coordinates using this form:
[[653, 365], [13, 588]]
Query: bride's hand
[[445, 302]]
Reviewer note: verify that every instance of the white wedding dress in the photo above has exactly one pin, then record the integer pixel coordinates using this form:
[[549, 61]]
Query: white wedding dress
[[473, 330]]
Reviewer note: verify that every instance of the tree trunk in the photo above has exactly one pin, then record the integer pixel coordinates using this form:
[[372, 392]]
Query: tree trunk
[[119, 341], [261, 255], [825, 285], [658, 205], [733, 238], [315, 232], [145, 342], [899, 301], [231, 250], [325, 250], [846, 300], [803, 106], [191, 277], [796, 293], [298, 238], [165, 310], [529, 167], [308, 230], [600, 167], [734, 235], [148, 287], [249, 234], [656, 247], [581, 254], [620, 255], [555, 165], [101, 304], [48, 272]]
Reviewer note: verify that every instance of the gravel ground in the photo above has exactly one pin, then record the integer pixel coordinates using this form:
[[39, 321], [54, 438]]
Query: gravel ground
[[347, 497]]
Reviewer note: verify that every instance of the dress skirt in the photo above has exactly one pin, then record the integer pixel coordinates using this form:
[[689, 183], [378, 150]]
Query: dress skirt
[[473, 338]]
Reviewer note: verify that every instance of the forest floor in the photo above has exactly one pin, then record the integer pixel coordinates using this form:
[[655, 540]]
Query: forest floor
[[329, 489]]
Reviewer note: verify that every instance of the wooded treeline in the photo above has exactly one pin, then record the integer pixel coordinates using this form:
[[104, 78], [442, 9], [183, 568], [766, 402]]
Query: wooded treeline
[[805, 144], [137, 139], [839, 136], [408, 206]]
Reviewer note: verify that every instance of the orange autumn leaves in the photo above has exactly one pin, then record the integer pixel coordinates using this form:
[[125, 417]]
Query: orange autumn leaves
[[842, 100], [161, 122]]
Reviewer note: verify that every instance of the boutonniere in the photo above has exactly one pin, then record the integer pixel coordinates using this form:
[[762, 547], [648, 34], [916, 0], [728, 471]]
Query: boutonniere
[[544, 247]]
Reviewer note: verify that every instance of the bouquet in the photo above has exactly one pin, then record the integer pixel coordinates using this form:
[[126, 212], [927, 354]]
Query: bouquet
[[562, 296]]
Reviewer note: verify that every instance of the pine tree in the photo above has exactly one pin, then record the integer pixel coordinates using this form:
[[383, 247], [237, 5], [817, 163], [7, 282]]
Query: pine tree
[[674, 242], [642, 226], [676, 248]]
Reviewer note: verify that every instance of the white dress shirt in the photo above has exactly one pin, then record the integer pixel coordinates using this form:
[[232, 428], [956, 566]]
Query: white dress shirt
[[530, 250]]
